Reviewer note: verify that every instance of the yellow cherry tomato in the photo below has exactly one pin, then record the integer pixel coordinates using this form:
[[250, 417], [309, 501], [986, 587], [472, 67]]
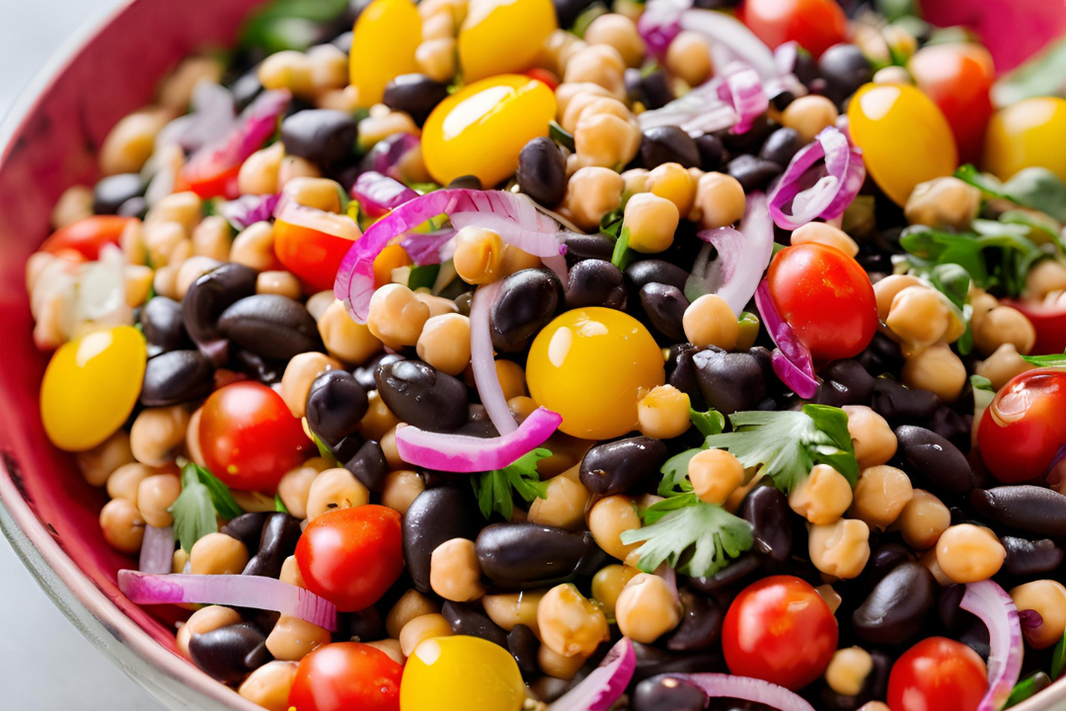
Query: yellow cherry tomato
[[1031, 133], [91, 386], [593, 366], [459, 674], [386, 36], [904, 137], [481, 129], [501, 36]]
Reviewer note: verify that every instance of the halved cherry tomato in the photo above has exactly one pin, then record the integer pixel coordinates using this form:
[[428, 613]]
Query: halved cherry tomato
[[311, 255], [826, 297], [209, 180], [815, 24], [781, 630], [346, 676], [351, 556], [87, 235], [249, 438], [1023, 429], [545, 76], [937, 674], [1049, 322]]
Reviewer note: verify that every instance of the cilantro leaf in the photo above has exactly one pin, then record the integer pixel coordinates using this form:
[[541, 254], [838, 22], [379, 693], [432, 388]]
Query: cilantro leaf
[[1027, 687], [221, 499], [194, 513], [708, 423], [1055, 360], [279, 505], [1035, 188], [693, 537], [622, 254], [675, 473], [494, 489], [1058, 659]]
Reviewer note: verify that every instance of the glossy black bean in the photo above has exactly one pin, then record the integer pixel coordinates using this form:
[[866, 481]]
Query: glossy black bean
[[665, 307], [548, 688], [276, 327], [134, 207], [519, 553], [668, 144], [950, 611], [581, 247], [163, 326], [268, 372], [701, 624], [422, 396], [753, 173], [230, 653], [901, 405], [335, 405], [729, 577], [653, 88], [898, 606], [883, 561], [782, 99], [766, 509], [415, 94], [844, 68], [652, 661], [471, 621], [713, 154], [648, 271], [542, 171], [781, 146], [933, 459], [1035, 509], [176, 377], [566, 11], [953, 427], [883, 355], [367, 625], [465, 182], [323, 136], [526, 302], [364, 374], [248, 529], [277, 542], [845, 382], [750, 140], [478, 423], [112, 191], [730, 382], [435, 516], [683, 376], [595, 282], [208, 297], [622, 465], [594, 558], [523, 645], [667, 694], [1026, 558]]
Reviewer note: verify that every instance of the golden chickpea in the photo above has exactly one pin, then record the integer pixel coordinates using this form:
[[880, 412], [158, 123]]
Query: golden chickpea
[[565, 504], [335, 489], [254, 501], [211, 238], [874, 441], [1047, 597], [821, 233], [259, 174], [848, 669], [391, 647], [155, 494], [689, 57], [176, 90], [439, 25], [840, 549], [1002, 365], [512, 378], [269, 685], [290, 573], [556, 51], [982, 303], [218, 554], [515, 260], [831, 597], [478, 252], [647, 609], [938, 370], [422, 628], [122, 525], [206, 619], [923, 520], [445, 343], [598, 64], [569, 624], [438, 305], [138, 280], [384, 123], [592, 103], [293, 167], [822, 497], [295, 487], [708, 321], [664, 413], [346, 340], [1045, 277], [608, 583], [454, 571], [185, 208], [877, 705], [591, 193], [411, 605], [808, 115], [437, 58], [720, 199], [125, 481], [918, 316], [510, 609], [319, 193], [329, 67], [1004, 324], [401, 489], [281, 283], [651, 222], [885, 291], [290, 70], [673, 182], [943, 202], [165, 243], [299, 374], [158, 433], [635, 181], [969, 554], [609, 518], [396, 317], [254, 247], [76, 203], [130, 143], [881, 494], [192, 269], [97, 463], [715, 474], [378, 418], [389, 449], [556, 666], [292, 639], [619, 32]]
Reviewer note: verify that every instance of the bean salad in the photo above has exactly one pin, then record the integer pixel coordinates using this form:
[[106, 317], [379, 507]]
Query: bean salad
[[518, 355]]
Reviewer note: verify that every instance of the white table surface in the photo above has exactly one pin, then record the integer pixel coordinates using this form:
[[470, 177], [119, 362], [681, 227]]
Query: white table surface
[[45, 664]]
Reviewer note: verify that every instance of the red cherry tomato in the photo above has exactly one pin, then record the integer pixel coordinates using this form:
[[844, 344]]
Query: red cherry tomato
[[1049, 322], [346, 676], [87, 236], [351, 556], [544, 76], [958, 78], [826, 297], [209, 179], [779, 629], [937, 674], [1023, 428], [815, 24], [249, 438], [311, 255]]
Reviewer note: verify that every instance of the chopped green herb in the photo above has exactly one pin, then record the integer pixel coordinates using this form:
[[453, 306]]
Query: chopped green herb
[[1027, 687], [222, 499], [289, 24], [675, 474], [194, 513], [1058, 659], [954, 282], [622, 253], [581, 24], [1036, 188], [611, 224], [279, 505], [494, 489], [1055, 360], [423, 276], [323, 449], [560, 135], [708, 423], [423, 188]]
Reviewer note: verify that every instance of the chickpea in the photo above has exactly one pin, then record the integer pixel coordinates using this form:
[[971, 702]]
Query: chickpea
[[185, 208], [445, 343], [299, 374], [982, 303], [591, 193], [192, 269], [122, 525], [422, 628], [874, 441], [943, 202], [673, 182], [831, 597], [293, 167], [840, 549], [635, 181], [598, 64], [206, 619], [278, 282], [1045, 277], [401, 489], [454, 572], [708, 321], [442, 24], [715, 474], [1004, 324], [380, 126], [619, 32], [269, 685], [918, 316], [295, 487], [389, 449], [565, 504], [647, 609], [158, 433], [396, 317], [391, 647], [556, 51], [689, 57], [155, 494], [138, 279], [378, 418], [290, 70], [606, 140], [412, 604], [651, 222], [822, 233], [609, 518], [881, 494], [570, 100], [663, 413], [319, 193], [437, 58], [329, 67], [808, 115], [969, 554], [346, 340], [218, 554], [478, 253], [923, 520], [292, 639], [254, 247], [848, 669], [176, 90], [938, 370], [125, 481], [569, 624], [556, 666], [259, 174], [511, 609], [1003, 365], [1047, 597], [319, 302], [438, 305], [335, 489], [720, 199], [211, 238], [885, 291], [76, 203], [512, 378], [163, 241], [608, 583], [822, 497], [131, 142], [290, 573], [254, 501], [97, 464]]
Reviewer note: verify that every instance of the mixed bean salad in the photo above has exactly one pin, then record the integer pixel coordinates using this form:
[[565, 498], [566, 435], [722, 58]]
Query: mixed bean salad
[[501, 355]]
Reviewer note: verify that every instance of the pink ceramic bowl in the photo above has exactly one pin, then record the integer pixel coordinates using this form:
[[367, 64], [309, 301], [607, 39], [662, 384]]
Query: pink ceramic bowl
[[46, 509]]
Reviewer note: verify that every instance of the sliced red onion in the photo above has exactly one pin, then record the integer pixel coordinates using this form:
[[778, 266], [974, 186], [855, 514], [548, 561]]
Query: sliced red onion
[[292, 212], [483, 361], [996, 609], [157, 550], [725, 32], [742, 89], [659, 24], [697, 112], [602, 688], [387, 154], [791, 360], [786, 56], [429, 247], [254, 591], [834, 186], [249, 209], [466, 454], [515, 217], [211, 119], [745, 688], [377, 193]]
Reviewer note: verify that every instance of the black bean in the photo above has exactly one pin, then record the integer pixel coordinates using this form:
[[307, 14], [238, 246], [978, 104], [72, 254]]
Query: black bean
[[730, 382], [471, 621], [435, 516], [176, 377], [422, 396], [526, 302], [623, 465], [248, 529], [1025, 557], [415, 94], [265, 371], [208, 297], [750, 140], [647, 271], [701, 624], [953, 427], [713, 154], [163, 326], [662, 693], [519, 553], [896, 609], [845, 382], [844, 68], [366, 625], [466, 182], [542, 171], [364, 374], [273, 326], [323, 136], [766, 509], [901, 405], [335, 405], [134, 207], [883, 561], [753, 173], [278, 542], [652, 661], [230, 653], [1035, 509], [567, 10], [665, 307], [653, 89], [668, 144], [112, 191], [246, 88], [883, 355], [581, 247], [523, 645], [346, 449], [781, 146], [933, 459], [727, 578], [951, 613], [681, 373], [595, 282]]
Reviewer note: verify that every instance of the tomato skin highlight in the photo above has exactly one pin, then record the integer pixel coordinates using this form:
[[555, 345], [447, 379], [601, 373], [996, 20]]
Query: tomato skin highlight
[[1023, 428], [781, 630], [937, 674], [313, 256], [87, 236], [958, 78], [352, 556], [345, 676], [815, 24], [826, 297], [1049, 322]]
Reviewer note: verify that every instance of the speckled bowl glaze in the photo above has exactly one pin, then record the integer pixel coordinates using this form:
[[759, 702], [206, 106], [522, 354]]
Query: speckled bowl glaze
[[46, 509]]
